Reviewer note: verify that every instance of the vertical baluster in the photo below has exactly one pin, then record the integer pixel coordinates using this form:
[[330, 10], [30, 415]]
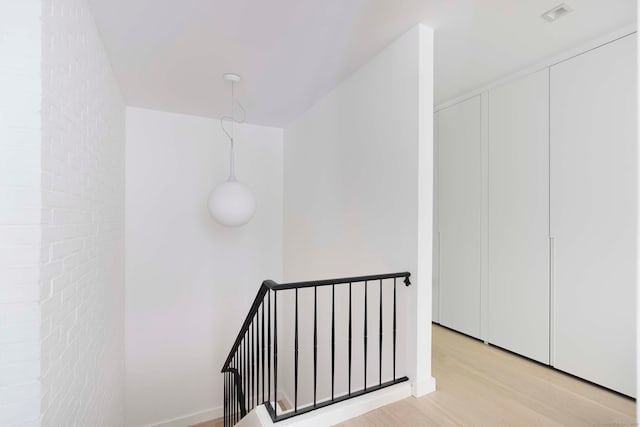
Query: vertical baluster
[[262, 348], [333, 339], [394, 328], [238, 389], [241, 370], [295, 387], [365, 334], [380, 343], [275, 352], [246, 375], [250, 364], [253, 362], [226, 399], [350, 337], [315, 344], [269, 345], [258, 350], [247, 364], [249, 370], [238, 413], [239, 367], [256, 365], [236, 405]]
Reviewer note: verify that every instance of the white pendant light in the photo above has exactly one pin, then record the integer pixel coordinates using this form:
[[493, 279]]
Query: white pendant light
[[231, 203]]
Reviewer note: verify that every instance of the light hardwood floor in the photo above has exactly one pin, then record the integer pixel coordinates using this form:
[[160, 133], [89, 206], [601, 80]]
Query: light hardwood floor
[[480, 385], [213, 423]]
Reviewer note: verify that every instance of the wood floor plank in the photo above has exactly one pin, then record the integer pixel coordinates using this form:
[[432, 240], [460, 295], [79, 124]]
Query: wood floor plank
[[481, 385], [213, 423]]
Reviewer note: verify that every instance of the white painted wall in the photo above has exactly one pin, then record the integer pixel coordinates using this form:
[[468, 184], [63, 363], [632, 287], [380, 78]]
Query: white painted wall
[[82, 273], [61, 220], [358, 193], [20, 207], [190, 282], [637, 234]]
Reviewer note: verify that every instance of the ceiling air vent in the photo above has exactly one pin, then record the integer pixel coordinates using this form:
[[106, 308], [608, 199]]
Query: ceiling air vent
[[557, 12]]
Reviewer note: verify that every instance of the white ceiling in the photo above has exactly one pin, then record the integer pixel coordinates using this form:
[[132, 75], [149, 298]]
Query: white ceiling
[[170, 54]]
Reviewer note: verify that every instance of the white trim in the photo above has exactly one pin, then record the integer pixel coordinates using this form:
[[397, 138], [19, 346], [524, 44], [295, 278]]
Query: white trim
[[205, 415], [284, 397], [190, 419], [548, 62], [334, 414], [638, 239], [421, 388]]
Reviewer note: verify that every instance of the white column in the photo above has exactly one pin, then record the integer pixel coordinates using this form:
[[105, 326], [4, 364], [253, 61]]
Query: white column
[[423, 382]]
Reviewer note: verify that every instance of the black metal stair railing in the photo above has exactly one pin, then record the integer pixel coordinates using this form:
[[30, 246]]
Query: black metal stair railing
[[251, 368]]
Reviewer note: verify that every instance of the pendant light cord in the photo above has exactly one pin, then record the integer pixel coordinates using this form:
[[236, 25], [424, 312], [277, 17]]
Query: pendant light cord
[[232, 119]]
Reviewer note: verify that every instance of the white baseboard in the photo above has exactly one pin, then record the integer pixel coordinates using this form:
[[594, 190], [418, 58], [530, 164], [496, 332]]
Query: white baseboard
[[284, 397], [206, 415], [330, 415], [333, 414], [421, 388], [191, 419]]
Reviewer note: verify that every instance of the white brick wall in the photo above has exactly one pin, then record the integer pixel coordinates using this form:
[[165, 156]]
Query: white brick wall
[[61, 219], [20, 210], [82, 283]]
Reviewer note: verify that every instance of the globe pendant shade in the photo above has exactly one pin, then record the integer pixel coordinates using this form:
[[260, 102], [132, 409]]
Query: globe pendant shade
[[232, 204]]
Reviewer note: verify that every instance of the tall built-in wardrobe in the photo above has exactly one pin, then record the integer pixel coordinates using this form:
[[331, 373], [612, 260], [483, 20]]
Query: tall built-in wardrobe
[[535, 217]]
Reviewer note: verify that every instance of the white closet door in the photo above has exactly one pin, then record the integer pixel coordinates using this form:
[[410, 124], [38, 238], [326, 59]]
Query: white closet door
[[459, 215], [518, 312], [593, 214]]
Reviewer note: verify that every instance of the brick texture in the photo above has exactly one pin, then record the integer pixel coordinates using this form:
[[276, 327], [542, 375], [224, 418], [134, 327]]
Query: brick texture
[[82, 274], [61, 220]]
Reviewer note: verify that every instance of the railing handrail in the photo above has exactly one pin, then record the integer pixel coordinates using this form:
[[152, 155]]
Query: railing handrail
[[274, 286], [326, 282], [245, 325]]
